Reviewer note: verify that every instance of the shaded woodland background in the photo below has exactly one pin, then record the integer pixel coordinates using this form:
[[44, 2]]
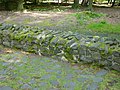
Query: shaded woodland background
[[23, 4]]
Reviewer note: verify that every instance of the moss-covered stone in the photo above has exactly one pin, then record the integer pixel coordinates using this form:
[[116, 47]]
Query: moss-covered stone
[[64, 45]]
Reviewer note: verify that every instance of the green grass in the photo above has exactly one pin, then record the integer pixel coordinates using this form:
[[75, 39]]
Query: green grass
[[111, 81], [88, 15], [104, 27], [91, 23], [84, 16], [86, 19]]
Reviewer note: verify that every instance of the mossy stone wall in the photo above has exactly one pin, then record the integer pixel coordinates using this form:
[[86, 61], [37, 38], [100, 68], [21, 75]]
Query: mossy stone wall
[[63, 45]]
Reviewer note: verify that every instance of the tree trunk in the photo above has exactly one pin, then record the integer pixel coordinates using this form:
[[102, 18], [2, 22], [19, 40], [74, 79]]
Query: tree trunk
[[90, 5], [25, 1], [84, 3], [76, 4], [20, 5], [36, 2], [113, 3]]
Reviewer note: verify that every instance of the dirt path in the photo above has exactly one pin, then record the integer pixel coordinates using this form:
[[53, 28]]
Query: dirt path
[[30, 17]]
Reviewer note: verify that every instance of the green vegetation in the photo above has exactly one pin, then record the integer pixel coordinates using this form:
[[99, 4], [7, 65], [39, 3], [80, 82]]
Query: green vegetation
[[104, 27], [84, 16], [111, 81], [88, 15], [93, 23]]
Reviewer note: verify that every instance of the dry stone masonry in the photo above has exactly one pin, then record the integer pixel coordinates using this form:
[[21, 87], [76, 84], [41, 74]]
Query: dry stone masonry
[[68, 46]]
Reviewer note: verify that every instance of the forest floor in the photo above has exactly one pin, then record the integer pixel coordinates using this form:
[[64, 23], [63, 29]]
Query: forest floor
[[21, 70], [112, 15], [65, 19]]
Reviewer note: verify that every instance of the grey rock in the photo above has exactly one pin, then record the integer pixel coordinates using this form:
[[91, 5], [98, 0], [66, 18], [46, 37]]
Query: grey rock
[[32, 81], [74, 46], [5, 63], [54, 40], [43, 83], [61, 42], [69, 84], [69, 76], [96, 55], [48, 70], [116, 54], [45, 77], [58, 72], [2, 72], [93, 86], [2, 78], [20, 82], [54, 89], [93, 48], [25, 77], [6, 43], [117, 60], [58, 76], [101, 73], [82, 79], [69, 43], [57, 66], [97, 79], [54, 83], [26, 86], [5, 88], [86, 59], [116, 67]]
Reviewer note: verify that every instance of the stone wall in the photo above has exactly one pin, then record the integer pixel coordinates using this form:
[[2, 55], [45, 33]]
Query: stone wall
[[63, 45]]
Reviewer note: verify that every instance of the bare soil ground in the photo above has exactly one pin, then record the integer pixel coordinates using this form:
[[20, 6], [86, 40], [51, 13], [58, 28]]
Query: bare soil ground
[[112, 15], [30, 16]]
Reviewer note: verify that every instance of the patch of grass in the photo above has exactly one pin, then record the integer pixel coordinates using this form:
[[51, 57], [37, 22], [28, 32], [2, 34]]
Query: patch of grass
[[84, 16], [88, 15], [111, 81], [104, 27], [46, 23]]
